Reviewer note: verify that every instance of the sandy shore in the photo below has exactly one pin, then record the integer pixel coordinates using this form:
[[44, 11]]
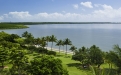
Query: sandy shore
[[57, 50], [62, 51]]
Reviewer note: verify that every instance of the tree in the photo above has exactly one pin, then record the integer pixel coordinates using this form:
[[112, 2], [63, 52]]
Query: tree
[[3, 36], [12, 37], [73, 49], [3, 55], [37, 41], [43, 42], [82, 55], [63, 45], [20, 41], [9, 45], [116, 59], [96, 55], [29, 39], [52, 39], [59, 43], [117, 49], [47, 39], [67, 42], [47, 65], [19, 61], [25, 34], [109, 58]]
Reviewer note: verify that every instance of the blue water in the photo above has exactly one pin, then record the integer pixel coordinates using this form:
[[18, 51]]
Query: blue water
[[102, 35]]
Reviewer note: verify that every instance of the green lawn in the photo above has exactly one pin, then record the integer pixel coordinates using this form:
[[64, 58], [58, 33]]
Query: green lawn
[[73, 67]]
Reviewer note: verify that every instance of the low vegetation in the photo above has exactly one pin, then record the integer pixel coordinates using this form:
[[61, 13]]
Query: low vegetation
[[20, 56], [11, 26]]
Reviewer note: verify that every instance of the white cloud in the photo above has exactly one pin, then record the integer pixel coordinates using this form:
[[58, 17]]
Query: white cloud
[[1, 17], [75, 6], [107, 6], [106, 13], [87, 4], [103, 6], [20, 15]]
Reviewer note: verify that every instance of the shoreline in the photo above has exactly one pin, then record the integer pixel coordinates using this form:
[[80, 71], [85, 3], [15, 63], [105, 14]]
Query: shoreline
[[57, 50], [61, 51]]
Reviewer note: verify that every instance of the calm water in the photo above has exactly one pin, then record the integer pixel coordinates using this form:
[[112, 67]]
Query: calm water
[[102, 35]]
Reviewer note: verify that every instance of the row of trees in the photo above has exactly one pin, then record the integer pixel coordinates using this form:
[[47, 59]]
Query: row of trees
[[43, 41]]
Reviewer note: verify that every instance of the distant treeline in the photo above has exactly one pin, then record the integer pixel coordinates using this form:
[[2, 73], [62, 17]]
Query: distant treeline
[[12, 26], [19, 25], [31, 23]]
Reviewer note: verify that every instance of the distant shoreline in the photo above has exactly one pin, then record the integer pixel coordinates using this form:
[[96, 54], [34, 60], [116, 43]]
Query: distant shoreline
[[32, 23], [21, 25]]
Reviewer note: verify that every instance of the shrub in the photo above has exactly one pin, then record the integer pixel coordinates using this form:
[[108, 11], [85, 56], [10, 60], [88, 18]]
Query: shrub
[[51, 53]]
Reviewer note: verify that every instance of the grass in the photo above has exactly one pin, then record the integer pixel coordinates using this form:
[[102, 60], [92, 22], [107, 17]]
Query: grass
[[73, 67]]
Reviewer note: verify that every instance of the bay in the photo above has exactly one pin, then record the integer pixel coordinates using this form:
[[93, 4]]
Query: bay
[[102, 35]]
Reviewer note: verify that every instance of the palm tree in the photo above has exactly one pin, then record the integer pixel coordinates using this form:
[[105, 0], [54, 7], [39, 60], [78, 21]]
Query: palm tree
[[73, 48], [37, 41], [59, 43], [29, 38], [67, 42], [117, 49], [52, 39], [47, 39], [43, 42], [25, 34]]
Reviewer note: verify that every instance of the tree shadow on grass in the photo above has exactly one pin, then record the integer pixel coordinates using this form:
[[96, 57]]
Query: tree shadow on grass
[[77, 65], [59, 55], [108, 71]]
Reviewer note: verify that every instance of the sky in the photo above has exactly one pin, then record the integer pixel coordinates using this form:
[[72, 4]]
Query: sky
[[60, 10]]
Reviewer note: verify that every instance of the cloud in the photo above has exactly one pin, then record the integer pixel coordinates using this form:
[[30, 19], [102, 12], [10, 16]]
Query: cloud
[[75, 6], [105, 13], [87, 4], [106, 6], [20, 15], [1, 17], [103, 6]]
